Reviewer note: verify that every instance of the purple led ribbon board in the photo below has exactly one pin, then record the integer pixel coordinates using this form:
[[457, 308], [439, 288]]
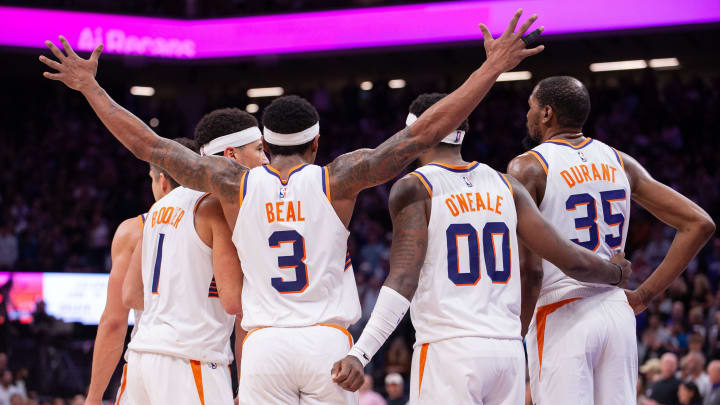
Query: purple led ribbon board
[[336, 30]]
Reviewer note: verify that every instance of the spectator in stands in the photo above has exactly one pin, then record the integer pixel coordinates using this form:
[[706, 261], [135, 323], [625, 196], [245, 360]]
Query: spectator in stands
[[688, 394], [395, 388], [692, 366], [8, 247], [7, 389], [366, 394], [713, 372], [398, 357], [664, 390]]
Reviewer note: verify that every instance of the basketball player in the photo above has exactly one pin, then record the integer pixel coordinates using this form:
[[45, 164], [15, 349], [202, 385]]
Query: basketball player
[[112, 327], [456, 226], [581, 343], [295, 228], [186, 324]]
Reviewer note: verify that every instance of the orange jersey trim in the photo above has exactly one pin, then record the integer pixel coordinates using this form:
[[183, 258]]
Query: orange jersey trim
[[619, 158], [199, 201], [197, 375], [290, 173], [568, 143], [124, 383], [541, 319], [453, 167], [508, 184], [423, 360], [241, 194], [539, 159], [326, 182], [142, 223], [251, 332], [341, 329], [424, 183]]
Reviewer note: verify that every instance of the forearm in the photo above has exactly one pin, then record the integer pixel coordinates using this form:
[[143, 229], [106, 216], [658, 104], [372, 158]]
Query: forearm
[[683, 249], [240, 334], [531, 276], [108, 349], [447, 114], [584, 265], [126, 127]]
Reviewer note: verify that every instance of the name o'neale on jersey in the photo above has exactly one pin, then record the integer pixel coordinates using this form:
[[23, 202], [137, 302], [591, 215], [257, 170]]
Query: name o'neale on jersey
[[581, 173], [167, 215], [473, 202], [284, 211]]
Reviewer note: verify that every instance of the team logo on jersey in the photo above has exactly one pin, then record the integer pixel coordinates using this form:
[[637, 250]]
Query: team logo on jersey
[[582, 156], [283, 192], [467, 181]]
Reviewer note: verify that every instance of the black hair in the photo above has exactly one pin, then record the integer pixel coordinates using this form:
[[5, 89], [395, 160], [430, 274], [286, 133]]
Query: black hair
[[222, 122], [186, 142], [696, 397], [568, 97], [425, 101], [288, 115]]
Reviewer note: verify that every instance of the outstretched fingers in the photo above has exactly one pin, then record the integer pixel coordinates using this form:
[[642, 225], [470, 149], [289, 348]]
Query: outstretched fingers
[[513, 23], [96, 53], [55, 51], [487, 36], [52, 76], [527, 25], [66, 46], [51, 63], [532, 51]]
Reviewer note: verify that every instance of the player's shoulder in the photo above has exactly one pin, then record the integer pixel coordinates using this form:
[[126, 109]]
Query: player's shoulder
[[128, 233], [410, 188], [528, 164]]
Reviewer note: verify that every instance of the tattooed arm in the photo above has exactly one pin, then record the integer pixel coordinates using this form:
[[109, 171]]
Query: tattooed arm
[[205, 173], [355, 171], [409, 210]]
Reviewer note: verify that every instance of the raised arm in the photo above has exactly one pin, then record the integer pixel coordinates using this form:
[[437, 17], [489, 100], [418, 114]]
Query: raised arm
[[694, 227], [207, 173], [409, 210], [531, 175], [543, 239], [358, 170], [133, 295], [226, 264], [113, 324]]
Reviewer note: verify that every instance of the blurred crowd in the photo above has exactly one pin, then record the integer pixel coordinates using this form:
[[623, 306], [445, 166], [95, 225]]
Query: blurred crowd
[[66, 184]]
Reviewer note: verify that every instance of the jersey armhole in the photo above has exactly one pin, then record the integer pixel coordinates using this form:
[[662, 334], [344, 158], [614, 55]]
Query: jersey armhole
[[507, 182], [540, 159], [425, 182], [326, 182], [619, 158], [141, 217], [243, 187], [197, 203]]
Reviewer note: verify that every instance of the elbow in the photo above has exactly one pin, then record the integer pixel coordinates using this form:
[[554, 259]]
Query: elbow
[[232, 306], [130, 301], [707, 227]]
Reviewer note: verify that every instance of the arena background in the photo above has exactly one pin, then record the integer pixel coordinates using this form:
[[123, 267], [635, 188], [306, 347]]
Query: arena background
[[67, 184]]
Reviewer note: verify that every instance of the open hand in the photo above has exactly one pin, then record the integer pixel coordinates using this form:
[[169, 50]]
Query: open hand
[[76, 72], [509, 50], [625, 265], [348, 373]]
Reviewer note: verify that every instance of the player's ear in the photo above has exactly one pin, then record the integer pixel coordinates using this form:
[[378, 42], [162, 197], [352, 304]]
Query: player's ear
[[164, 183], [315, 144], [229, 153], [546, 114]]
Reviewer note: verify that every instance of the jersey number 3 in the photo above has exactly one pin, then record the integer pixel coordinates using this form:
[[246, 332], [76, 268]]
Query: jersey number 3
[[491, 230], [295, 261]]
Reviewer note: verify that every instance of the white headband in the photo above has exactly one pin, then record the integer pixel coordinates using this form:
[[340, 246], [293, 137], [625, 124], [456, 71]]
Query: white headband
[[236, 140], [297, 138], [454, 138]]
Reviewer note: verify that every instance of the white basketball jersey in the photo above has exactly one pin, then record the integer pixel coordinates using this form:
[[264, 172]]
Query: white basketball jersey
[[469, 283], [183, 316], [293, 249], [587, 199]]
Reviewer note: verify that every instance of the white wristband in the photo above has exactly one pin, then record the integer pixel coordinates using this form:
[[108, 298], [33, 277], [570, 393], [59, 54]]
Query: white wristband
[[389, 310]]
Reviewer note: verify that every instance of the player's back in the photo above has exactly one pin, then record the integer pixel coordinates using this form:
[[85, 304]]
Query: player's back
[[587, 198], [466, 285], [182, 315], [293, 248]]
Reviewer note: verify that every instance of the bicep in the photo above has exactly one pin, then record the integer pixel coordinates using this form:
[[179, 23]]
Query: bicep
[[121, 252]]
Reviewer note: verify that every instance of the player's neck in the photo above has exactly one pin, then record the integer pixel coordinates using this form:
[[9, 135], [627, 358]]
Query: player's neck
[[285, 163], [572, 135], [450, 156]]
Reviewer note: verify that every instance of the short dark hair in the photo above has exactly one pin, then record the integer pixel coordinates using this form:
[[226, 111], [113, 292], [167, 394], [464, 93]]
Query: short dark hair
[[426, 100], [222, 122], [186, 142], [288, 115], [568, 97]]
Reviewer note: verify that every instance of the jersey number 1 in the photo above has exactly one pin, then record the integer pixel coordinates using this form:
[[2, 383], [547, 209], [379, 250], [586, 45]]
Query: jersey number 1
[[490, 231], [295, 261]]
